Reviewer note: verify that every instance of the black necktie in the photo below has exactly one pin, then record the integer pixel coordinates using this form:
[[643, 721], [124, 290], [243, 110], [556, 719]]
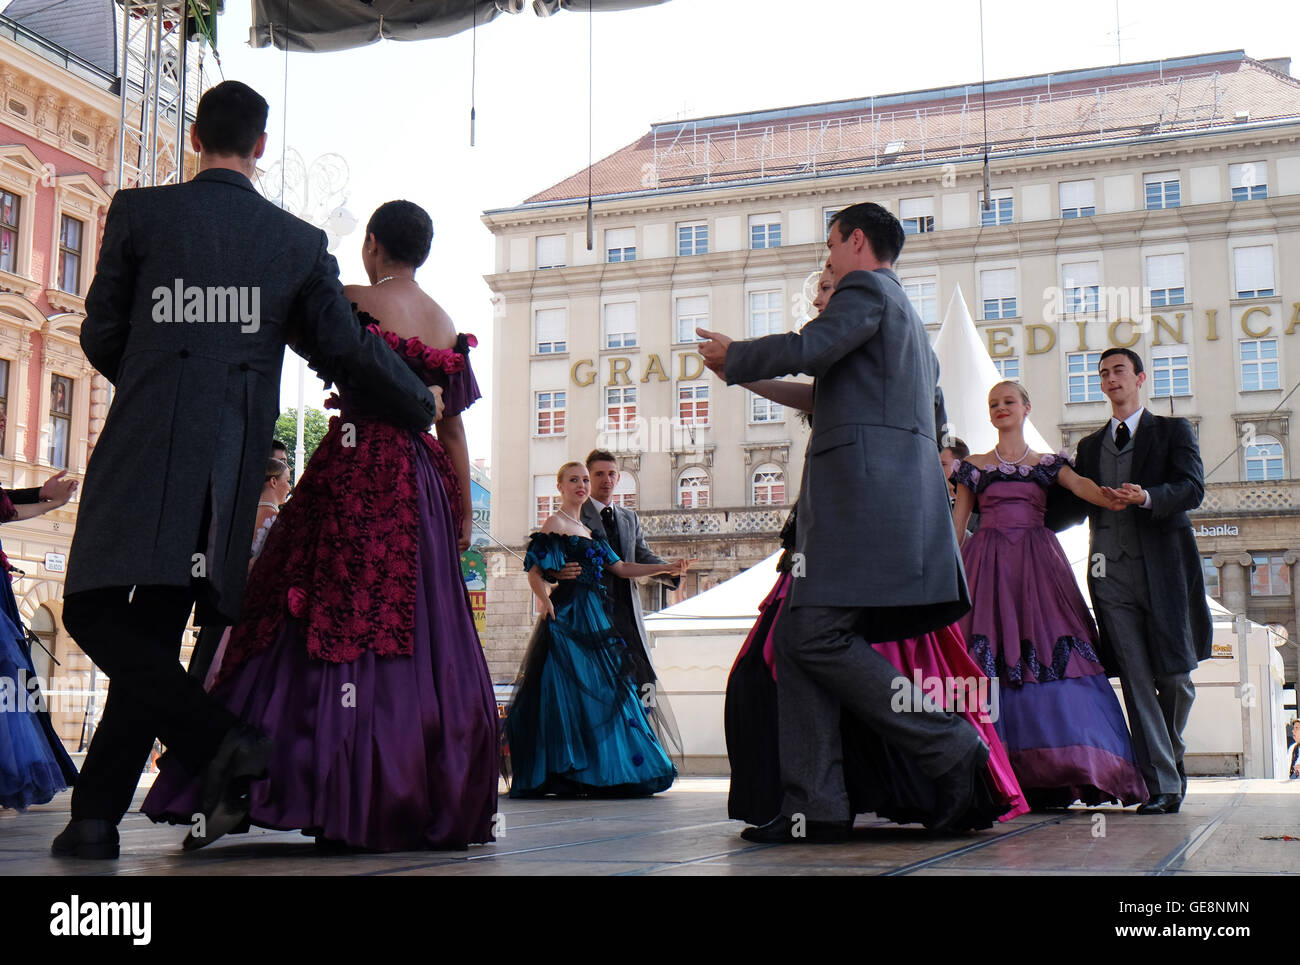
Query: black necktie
[[607, 518], [1121, 436]]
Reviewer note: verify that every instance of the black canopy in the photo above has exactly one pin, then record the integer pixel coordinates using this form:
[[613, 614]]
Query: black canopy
[[323, 25]]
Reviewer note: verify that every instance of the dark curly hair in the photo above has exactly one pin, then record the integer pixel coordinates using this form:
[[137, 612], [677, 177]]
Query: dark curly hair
[[404, 229]]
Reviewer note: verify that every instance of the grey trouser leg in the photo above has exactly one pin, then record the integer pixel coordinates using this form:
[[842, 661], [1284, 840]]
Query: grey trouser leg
[[1157, 707], [823, 664]]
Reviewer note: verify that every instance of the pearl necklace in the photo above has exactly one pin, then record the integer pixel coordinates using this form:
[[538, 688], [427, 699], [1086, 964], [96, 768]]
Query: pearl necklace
[[1002, 459], [578, 521], [384, 279]]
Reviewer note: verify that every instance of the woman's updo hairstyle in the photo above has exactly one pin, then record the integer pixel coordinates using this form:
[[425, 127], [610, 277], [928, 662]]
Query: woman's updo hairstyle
[[275, 468], [404, 229]]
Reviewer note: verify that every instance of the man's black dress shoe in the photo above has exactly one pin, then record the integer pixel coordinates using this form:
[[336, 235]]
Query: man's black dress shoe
[[241, 759], [87, 838], [955, 788], [1162, 804], [783, 830]]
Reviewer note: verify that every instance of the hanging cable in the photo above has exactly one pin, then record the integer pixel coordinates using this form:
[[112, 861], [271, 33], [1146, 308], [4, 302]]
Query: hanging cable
[[284, 122], [591, 214], [473, 68], [984, 109]]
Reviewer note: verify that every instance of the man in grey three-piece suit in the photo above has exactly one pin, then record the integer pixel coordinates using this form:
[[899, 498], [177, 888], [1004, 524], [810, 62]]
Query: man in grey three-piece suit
[[198, 288], [876, 558], [1149, 597], [622, 529]]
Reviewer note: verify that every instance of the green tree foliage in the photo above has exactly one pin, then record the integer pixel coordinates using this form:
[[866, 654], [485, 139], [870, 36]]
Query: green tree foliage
[[314, 427]]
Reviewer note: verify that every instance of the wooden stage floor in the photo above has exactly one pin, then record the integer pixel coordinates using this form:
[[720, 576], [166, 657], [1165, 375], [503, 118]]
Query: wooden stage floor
[[1226, 826]]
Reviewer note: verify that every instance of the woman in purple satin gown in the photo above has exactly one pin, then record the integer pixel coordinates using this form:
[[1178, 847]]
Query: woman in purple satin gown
[[356, 649], [1029, 625]]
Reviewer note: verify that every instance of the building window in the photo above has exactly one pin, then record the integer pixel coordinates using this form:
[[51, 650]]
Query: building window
[[1269, 576], [1001, 208], [1083, 380], [1259, 364], [551, 335], [1253, 270], [620, 408], [550, 413], [693, 403], [620, 245], [765, 231], [546, 499], [70, 231], [620, 325], [1078, 199], [829, 215], [550, 251], [1211, 574], [1249, 182], [693, 489], [1166, 280], [764, 410], [693, 238], [692, 313], [1008, 368], [998, 290], [1082, 287], [1264, 459], [60, 420], [767, 486], [1163, 190], [1171, 375], [10, 205], [624, 491], [917, 215], [923, 294], [765, 314]]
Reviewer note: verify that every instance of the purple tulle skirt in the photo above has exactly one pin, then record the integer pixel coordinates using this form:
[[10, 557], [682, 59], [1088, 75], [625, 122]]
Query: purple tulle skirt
[[382, 753]]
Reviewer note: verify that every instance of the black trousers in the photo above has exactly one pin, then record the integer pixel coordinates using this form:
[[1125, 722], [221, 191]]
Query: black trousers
[[136, 640]]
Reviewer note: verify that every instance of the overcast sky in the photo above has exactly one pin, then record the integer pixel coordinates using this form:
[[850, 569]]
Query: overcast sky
[[399, 112]]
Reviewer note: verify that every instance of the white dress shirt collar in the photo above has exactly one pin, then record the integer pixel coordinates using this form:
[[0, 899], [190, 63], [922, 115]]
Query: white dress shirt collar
[[600, 507], [1131, 422]]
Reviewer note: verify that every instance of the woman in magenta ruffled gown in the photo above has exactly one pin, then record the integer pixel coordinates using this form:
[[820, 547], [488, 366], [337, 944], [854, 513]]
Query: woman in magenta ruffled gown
[[356, 649], [1029, 626], [879, 778]]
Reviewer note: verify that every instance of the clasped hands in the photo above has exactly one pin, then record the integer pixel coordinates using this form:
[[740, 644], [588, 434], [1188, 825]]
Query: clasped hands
[[1129, 494], [571, 571]]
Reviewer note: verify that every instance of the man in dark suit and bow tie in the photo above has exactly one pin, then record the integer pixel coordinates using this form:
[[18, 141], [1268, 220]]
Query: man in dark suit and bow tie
[[1145, 577], [198, 289]]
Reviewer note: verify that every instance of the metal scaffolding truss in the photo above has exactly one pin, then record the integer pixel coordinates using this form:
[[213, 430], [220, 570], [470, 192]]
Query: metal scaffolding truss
[[161, 81]]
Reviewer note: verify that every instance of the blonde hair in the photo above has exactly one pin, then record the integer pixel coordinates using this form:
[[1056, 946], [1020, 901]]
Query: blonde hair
[[1024, 393], [559, 476]]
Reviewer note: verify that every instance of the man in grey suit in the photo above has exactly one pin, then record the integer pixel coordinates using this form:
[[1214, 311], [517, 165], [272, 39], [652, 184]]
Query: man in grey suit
[[198, 289], [622, 529], [875, 557], [1147, 587]]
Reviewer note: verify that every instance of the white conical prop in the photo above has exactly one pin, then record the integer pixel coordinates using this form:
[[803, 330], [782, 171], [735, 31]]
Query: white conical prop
[[966, 373]]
